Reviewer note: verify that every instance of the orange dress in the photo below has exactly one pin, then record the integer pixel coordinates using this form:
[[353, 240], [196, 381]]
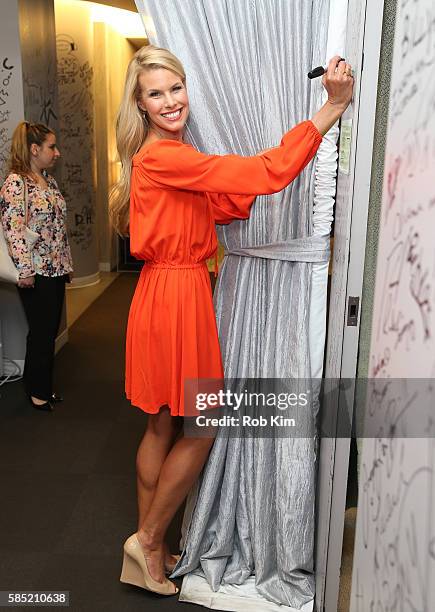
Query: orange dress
[[177, 196]]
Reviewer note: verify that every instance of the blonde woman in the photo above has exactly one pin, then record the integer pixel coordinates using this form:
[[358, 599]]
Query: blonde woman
[[43, 271], [168, 200]]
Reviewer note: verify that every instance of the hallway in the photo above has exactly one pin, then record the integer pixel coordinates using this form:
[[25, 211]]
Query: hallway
[[68, 486]]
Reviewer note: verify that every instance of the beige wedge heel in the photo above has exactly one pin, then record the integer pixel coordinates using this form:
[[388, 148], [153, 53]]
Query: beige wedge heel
[[135, 570], [131, 572]]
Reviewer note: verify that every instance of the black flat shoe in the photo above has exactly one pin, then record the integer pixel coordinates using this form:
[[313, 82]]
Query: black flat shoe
[[56, 398], [45, 407]]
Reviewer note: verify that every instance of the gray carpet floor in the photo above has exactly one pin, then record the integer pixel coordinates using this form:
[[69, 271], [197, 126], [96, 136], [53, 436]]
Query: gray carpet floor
[[68, 477]]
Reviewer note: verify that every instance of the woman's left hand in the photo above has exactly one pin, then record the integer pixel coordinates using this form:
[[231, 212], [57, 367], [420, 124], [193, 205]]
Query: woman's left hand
[[26, 283]]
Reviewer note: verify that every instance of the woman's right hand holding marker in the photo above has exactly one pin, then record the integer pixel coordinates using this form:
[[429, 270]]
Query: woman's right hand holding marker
[[338, 82]]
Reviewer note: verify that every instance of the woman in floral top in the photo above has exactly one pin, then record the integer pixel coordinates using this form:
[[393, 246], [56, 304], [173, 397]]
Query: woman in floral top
[[44, 270]]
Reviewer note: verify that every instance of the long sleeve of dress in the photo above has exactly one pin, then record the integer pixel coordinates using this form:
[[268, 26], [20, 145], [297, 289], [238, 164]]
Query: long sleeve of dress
[[170, 164], [229, 207], [14, 224]]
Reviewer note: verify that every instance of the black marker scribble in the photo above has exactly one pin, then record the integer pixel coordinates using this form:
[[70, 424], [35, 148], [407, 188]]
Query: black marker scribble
[[5, 64], [390, 529], [76, 102], [420, 286], [394, 563], [6, 105]]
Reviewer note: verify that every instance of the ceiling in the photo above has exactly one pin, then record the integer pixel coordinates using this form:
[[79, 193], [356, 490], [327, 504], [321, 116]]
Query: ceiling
[[129, 5]]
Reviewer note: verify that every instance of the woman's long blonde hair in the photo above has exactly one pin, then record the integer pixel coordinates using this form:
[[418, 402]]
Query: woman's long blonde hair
[[132, 126]]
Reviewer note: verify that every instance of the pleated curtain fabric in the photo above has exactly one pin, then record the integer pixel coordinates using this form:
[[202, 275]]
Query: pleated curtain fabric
[[246, 63]]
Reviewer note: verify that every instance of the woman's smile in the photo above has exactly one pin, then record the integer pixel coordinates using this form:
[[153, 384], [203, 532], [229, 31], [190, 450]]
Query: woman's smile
[[173, 115], [163, 96]]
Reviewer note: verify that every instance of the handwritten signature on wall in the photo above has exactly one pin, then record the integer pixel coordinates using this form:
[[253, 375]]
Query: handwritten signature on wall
[[75, 82], [395, 560], [6, 75]]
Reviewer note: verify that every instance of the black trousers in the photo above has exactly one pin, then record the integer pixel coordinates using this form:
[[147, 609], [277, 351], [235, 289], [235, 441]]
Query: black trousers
[[43, 307]]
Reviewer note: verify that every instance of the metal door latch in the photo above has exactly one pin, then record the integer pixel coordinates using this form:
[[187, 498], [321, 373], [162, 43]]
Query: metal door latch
[[352, 311]]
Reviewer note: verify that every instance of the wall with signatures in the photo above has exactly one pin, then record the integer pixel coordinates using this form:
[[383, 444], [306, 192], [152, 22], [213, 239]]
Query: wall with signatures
[[38, 54], [394, 562], [74, 42], [13, 326], [11, 81]]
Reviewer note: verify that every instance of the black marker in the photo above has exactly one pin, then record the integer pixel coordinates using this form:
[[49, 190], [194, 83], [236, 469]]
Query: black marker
[[320, 70]]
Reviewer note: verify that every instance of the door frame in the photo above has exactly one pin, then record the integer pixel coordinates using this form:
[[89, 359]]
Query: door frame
[[363, 45]]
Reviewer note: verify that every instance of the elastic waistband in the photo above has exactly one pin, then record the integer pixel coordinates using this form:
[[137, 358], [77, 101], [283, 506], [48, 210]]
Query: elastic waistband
[[168, 266]]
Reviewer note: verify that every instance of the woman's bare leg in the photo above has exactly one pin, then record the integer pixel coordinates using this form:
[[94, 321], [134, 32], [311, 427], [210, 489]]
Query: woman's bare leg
[[178, 473], [162, 429], [161, 432]]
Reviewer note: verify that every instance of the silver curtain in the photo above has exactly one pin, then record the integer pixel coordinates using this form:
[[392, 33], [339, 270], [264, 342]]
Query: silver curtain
[[246, 63]]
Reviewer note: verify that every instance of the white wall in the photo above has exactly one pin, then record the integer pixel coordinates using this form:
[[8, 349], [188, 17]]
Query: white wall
[[394, 559], [11, 79], [27, 79]]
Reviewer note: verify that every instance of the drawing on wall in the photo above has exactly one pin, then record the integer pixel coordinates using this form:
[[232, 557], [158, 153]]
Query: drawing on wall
[[40, 98], [394, 562], [75, 83], [6, 76]]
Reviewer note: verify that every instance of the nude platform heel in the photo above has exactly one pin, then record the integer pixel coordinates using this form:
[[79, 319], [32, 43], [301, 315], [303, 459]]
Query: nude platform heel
[[135, 570]]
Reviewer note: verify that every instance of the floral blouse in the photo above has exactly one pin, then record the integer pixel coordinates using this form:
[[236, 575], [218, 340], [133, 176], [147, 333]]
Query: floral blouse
[[51, 255]]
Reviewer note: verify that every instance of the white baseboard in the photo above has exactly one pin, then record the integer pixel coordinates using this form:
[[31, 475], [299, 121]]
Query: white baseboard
[[84, 281]]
